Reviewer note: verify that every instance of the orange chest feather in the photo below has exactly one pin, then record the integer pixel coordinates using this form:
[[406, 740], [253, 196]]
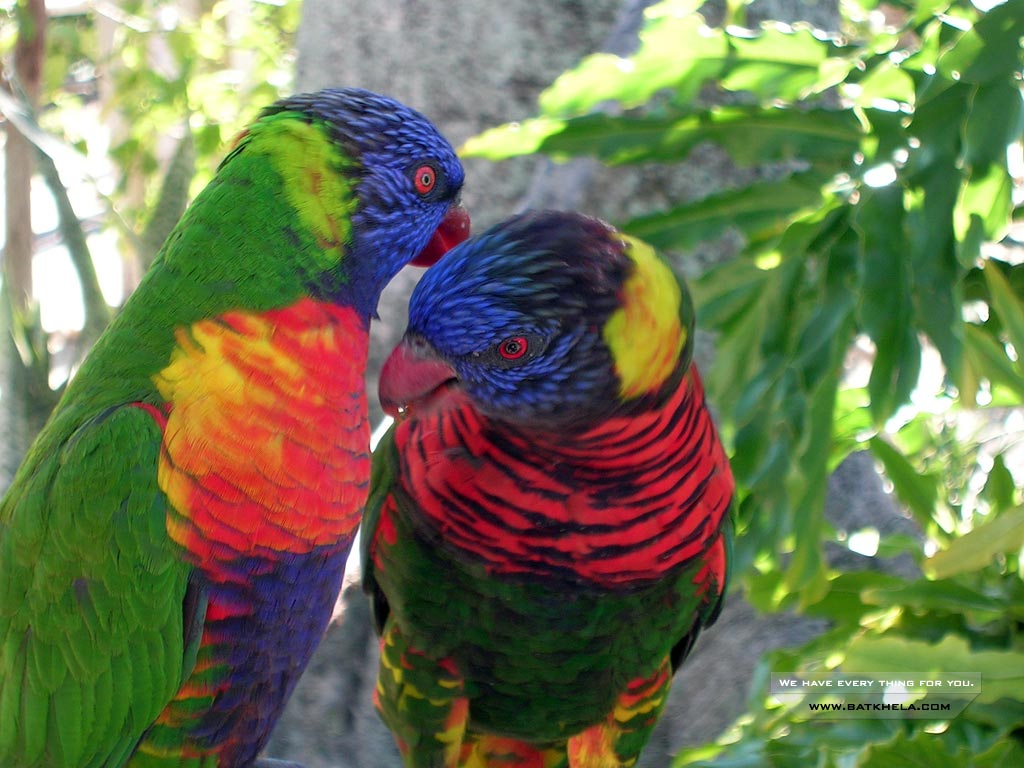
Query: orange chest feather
[[265, 446]]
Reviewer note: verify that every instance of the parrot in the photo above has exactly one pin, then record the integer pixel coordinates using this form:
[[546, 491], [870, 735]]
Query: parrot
[[549, 521], [172, 546]]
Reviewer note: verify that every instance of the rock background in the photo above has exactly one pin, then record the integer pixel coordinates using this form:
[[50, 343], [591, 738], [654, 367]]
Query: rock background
[[469, 66]]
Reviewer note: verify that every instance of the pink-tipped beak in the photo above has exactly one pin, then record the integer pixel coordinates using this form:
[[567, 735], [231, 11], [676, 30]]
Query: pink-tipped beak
[[411, 377], [453, 229]]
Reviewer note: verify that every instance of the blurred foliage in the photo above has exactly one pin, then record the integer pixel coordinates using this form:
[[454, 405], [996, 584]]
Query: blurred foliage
[[140, 100], [883, 235]]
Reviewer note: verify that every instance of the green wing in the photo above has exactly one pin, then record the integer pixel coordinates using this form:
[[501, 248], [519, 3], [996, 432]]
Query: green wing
[[97, 617], [382, 475]]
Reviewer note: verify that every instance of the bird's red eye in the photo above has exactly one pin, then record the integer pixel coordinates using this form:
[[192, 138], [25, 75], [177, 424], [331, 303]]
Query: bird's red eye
[[513, 348], [425, 179]]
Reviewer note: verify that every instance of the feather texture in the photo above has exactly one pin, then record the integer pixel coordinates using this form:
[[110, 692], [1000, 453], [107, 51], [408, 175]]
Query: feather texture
[[173, 544], [542, 558]]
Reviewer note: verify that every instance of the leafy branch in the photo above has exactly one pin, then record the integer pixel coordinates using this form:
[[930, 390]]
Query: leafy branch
[[887, 234]]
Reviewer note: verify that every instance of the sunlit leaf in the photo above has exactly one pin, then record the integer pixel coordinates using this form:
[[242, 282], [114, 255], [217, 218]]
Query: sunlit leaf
[[1000, 488], [990, 50], [676, 48], [976, 548], [784, 63], [982, 211], [749, 135], [1002, 672], [511, 139], [884, 83]]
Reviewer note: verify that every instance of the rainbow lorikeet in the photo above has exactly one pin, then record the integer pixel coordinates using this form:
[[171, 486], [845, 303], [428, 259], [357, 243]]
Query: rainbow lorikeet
[[548, 524], [173, 544]]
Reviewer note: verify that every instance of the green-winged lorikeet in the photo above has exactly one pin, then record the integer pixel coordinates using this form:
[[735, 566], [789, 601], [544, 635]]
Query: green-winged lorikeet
[[173, 544]]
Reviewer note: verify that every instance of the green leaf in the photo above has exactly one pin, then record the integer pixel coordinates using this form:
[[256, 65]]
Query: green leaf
[[844, 601], [919, 491], [942, 595], [826, 337], [934, 178], [511, 139], [990, 50], [852, 424], [756, 210], [676, 49], [1007, 753], [986, 359], [977, 548], [782, 63], [825, 138], [982, 210], [1002, 672], [922, 750], [993, 122], [886, 308], [1008, 305], [725, 291], [883, 83], [1000, 489]]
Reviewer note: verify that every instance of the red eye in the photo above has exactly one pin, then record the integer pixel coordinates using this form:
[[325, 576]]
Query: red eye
[[513, 348], [425, 179]]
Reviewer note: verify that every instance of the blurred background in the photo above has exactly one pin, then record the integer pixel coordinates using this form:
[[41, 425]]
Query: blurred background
[[841, 183]]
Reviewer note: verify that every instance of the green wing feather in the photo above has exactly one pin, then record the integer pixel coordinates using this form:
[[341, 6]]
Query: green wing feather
[[95, 623], [383, 471]]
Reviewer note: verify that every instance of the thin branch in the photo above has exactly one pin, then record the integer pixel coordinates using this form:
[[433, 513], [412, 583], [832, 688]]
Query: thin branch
[[97, 313]]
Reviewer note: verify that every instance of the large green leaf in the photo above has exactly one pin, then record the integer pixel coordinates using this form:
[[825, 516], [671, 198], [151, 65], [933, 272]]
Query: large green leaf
[[919, 491], [922, 750], [886, 308], [783, 63], [676, 48], [923, 595], [994, 120], [936, 272], [1000, 488], [755, 210], [750, 136], [1002, 672], [986, 358], [1008, 305], [990, 50], [983, 209], [978, 547]]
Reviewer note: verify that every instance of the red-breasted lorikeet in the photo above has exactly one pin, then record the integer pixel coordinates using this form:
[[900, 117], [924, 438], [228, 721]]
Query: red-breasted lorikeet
[[548, 524]]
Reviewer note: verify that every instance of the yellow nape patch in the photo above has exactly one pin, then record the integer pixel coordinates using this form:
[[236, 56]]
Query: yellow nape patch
[[310, 166], [646, 335]]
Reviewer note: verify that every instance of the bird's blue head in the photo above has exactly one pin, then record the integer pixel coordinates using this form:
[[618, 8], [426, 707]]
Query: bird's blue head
[[549, 319], [398, 180]]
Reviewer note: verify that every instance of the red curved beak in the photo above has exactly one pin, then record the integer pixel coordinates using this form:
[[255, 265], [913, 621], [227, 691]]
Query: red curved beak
[[453, 229], [412, 375]]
